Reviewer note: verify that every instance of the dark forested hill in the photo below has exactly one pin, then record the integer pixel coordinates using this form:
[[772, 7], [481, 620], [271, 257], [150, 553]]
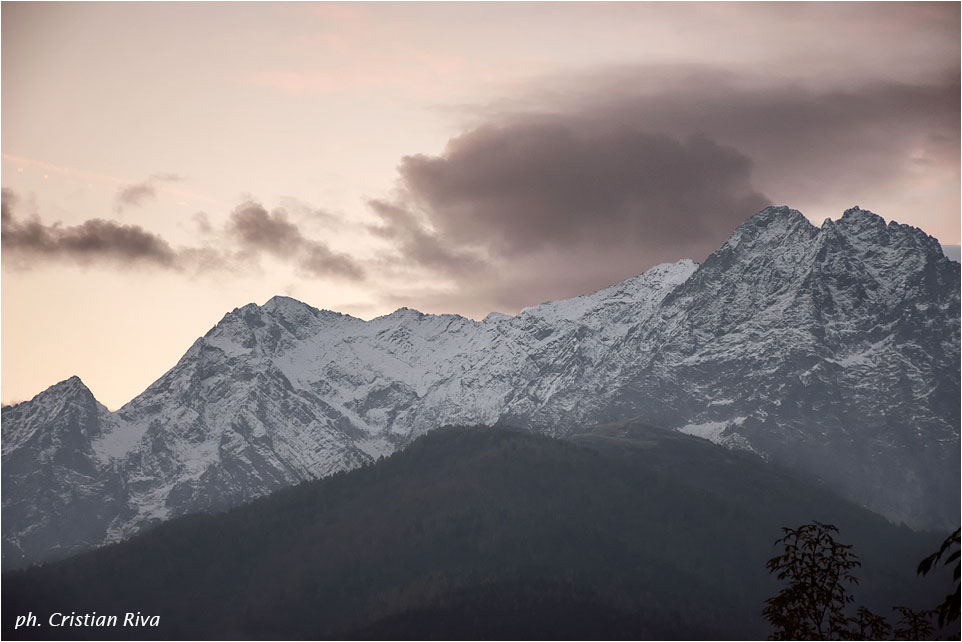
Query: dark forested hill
[[629, 532]]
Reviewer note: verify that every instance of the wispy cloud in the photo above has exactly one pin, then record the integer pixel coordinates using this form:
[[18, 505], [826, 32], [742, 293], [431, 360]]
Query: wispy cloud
[[417, 242], [26, 243], [258, 231], [251, 231], [136, 194], [166, 178]]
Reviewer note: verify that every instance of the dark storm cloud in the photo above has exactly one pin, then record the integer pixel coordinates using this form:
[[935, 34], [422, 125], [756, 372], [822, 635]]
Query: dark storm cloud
[[588, 180], [250, 231], [521, 187], [557, 208], [257, 230], [802, 137], [816, 144], [25, 242]]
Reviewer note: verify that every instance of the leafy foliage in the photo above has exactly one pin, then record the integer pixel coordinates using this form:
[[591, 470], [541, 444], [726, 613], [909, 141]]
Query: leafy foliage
[[869, 626], [813, 604], [817, 568], [913, 624], [948, 610]]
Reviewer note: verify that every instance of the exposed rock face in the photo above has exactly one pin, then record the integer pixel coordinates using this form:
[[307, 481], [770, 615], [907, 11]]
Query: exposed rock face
[[832, 350]]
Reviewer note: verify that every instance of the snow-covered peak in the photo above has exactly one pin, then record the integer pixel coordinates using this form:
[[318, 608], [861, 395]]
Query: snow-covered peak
[[295, 311], [767, 230], [780, 216], [68, 389], [496, 317], [50, 415], [673, 273], [401, 314], [641, 292], [236, 318], [892, 247], [69, 386], [648, 287], [856, 213], [284, 305], [832, 349], [862, 223]]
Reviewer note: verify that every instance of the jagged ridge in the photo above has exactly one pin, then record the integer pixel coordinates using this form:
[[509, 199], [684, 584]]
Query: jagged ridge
[[834, 350]]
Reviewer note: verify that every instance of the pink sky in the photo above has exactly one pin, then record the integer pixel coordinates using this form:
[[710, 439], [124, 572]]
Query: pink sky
[[167, 122]]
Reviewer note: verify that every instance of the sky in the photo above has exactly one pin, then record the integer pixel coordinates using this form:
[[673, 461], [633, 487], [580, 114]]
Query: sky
[[164, 163]]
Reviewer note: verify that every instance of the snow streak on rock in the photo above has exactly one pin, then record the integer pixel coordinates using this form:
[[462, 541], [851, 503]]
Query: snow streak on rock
[[832, 350]]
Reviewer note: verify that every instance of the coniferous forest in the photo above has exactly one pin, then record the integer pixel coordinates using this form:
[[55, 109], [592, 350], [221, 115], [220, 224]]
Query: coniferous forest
[[628, 532]]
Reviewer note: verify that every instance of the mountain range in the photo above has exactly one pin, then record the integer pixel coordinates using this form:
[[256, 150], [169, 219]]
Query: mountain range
[[832, 351]]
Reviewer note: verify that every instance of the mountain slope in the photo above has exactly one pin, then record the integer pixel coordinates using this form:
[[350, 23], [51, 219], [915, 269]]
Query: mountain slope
[[474, 532], [56, 475], [831, 350]]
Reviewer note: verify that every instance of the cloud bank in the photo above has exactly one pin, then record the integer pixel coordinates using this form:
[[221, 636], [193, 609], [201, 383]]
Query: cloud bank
[[808, 141], [525, 211], [590, 179]]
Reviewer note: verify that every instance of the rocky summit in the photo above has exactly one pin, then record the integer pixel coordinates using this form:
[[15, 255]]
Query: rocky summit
[[832, 351]]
